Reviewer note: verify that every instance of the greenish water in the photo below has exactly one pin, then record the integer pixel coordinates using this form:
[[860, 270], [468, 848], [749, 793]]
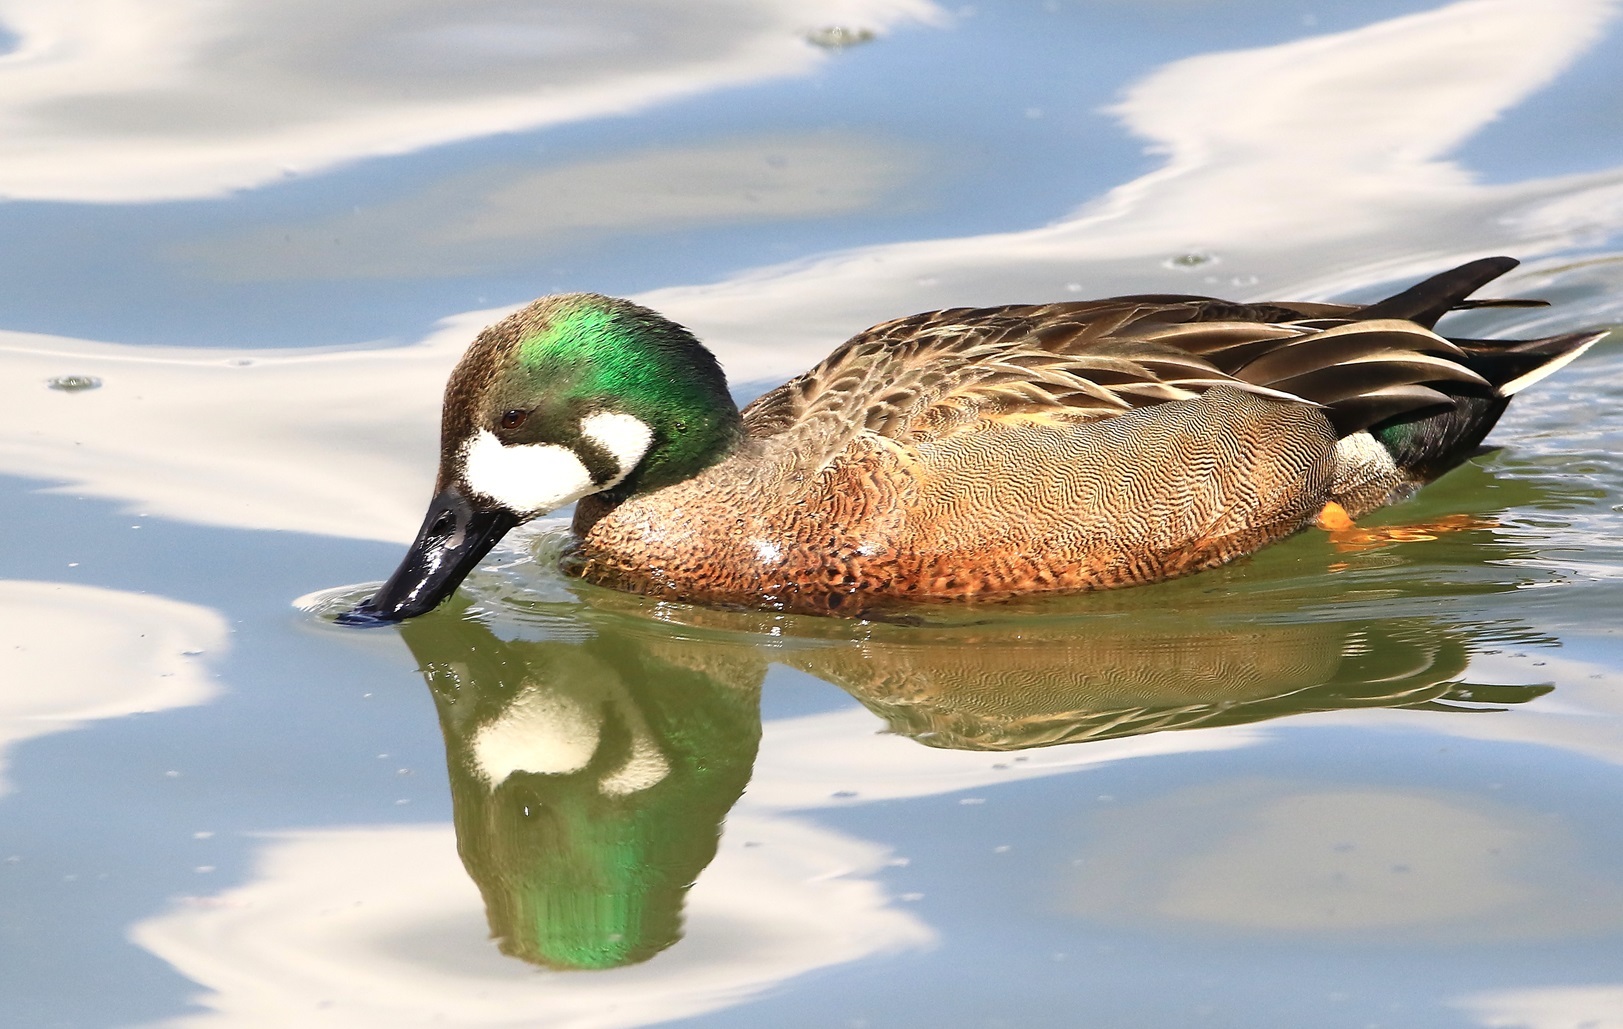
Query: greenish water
[[1365, 778]]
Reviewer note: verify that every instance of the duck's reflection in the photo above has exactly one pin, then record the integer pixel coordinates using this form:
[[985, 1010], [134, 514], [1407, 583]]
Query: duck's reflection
[[591, 768], [1038, 688], [589, 779]]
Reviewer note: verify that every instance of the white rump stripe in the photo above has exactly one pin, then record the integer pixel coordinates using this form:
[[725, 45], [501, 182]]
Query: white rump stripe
[[1525, 380], [534, 478]]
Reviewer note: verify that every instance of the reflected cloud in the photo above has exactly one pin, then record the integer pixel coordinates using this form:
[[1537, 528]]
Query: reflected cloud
[[485, 219], [1550, 1007], [71, 655], [205, 97], [1296, 170], [383, 927], [339, 443], [1584, 717]]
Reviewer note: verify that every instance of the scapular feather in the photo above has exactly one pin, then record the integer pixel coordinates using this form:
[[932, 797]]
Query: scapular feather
[[1366, 366]]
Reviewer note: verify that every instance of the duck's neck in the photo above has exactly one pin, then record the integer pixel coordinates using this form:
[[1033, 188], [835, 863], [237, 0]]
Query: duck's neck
[[701, 428], [589, 511], [683, 447]]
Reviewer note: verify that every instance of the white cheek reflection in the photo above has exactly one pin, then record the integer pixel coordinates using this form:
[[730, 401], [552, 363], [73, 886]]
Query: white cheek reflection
[[531, 478], [547, 733]]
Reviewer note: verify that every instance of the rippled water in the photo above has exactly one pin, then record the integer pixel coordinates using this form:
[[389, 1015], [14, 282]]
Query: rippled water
[[1368, 778]]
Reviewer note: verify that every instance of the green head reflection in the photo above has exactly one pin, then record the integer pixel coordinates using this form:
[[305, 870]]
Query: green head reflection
[[589, 779]]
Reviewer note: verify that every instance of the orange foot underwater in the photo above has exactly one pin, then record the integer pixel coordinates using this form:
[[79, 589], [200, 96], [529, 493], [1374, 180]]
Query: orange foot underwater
[[1347, 537]]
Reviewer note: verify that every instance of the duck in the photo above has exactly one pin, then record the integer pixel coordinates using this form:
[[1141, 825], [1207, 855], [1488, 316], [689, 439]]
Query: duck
[[967, 454]]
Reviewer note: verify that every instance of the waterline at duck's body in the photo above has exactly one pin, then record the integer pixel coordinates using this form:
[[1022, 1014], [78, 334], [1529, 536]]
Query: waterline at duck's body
[[966, 453]]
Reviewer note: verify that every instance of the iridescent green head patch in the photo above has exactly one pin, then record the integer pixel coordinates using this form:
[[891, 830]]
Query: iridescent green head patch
[[584, 329], [566, 358], [602, 347]]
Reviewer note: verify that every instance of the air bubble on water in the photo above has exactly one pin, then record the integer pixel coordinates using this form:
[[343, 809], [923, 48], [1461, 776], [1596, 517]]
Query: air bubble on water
[[838, 37], [73, 383], [1188, 260]]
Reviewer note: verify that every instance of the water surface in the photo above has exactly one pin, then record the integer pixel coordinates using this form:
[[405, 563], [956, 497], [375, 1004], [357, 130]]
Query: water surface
[[1363, 779]]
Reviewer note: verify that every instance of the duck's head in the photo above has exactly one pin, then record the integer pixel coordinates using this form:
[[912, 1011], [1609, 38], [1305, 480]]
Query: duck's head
[[577, 394]]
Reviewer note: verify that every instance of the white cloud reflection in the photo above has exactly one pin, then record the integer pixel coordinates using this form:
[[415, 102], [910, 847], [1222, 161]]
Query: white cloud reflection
[[119, 100], [1584, 716], [832, 760], [380, 926], [1550, 1007], [383, 924], [1292, 171], [337, 443], [73, 654]]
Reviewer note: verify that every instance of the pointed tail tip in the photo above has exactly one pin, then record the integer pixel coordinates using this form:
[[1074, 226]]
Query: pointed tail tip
[[1428, 300], [1563, 350], [1499, 265]]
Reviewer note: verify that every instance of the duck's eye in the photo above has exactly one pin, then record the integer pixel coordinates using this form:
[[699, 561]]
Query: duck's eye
[[513, 419]]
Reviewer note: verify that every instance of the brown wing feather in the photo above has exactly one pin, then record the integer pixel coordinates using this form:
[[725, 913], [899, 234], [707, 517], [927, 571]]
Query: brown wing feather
[[941, 371], [927, 373]]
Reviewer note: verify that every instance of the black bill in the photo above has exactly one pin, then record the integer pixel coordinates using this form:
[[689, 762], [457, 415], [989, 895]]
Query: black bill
[[455, 536]]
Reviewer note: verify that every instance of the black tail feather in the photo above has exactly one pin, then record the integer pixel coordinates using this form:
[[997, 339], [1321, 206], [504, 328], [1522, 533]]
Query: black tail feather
[[1425, 302], [1428, 443], [1514, 364]]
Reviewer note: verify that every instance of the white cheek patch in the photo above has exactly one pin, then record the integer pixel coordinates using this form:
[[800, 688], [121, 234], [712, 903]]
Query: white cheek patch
[[531, 478], [534, 478], [625, 437]]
